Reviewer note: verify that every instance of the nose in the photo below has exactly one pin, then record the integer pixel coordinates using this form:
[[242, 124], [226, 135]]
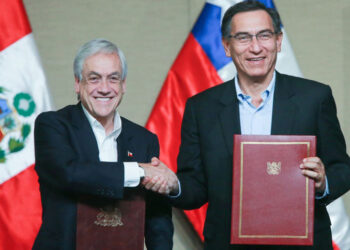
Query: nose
[[255, 46], [104, 86]]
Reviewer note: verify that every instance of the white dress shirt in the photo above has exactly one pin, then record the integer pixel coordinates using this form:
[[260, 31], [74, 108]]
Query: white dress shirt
[[107, 147]]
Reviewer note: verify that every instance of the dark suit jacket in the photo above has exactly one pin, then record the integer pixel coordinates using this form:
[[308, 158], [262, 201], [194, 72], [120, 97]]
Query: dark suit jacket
[[301, 107], [67, 162]]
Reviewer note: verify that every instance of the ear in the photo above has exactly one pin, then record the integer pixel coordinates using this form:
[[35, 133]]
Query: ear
[[123, 85], [226, 44], [77, 85], [279, 41]]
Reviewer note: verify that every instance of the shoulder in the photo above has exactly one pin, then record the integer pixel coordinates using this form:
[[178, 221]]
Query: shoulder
[[136, 130], [214, 95], [64, 115], [299, 84]]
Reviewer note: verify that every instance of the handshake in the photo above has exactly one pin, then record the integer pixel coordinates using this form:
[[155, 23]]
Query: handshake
[[159, 178]]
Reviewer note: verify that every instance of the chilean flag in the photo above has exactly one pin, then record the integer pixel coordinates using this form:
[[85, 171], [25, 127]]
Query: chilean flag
[[201, 64], [23, 95]]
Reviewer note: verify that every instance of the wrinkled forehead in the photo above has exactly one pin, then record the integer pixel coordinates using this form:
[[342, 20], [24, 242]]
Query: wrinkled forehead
[[102, 62], [251, 22]]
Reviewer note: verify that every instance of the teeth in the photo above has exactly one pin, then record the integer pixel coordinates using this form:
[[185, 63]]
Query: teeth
[[255, 59], [102, 99]]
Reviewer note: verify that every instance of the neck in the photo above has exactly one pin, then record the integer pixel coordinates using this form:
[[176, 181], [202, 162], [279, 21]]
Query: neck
[[254, 86], [108, 124]]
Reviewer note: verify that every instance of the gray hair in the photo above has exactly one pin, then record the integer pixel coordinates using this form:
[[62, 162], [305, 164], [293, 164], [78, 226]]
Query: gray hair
[[93, 47]]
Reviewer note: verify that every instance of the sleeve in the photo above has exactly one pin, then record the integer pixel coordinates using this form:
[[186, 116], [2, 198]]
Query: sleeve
[[159, 227], [61, 164], [190, 165], [332, 149]]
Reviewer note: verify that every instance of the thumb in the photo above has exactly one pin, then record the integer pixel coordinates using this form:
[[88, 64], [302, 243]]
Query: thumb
[[155, 161]]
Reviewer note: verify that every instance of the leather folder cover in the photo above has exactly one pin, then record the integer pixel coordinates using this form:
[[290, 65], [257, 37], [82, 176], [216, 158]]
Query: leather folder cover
[[113, 224], [273, 203]]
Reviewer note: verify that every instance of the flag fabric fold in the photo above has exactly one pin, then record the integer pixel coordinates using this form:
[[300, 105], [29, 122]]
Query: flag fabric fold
[[23, 95], [201, 64]]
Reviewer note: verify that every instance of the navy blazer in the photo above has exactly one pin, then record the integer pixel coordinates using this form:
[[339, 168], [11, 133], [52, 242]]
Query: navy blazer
[[68, 166], [211, 118]]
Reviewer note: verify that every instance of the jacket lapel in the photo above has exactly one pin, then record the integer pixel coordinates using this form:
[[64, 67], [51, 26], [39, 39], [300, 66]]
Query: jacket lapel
[[126, 150], [284, 109], [229, 115], [88, 142], [122, 147], [85, 135]]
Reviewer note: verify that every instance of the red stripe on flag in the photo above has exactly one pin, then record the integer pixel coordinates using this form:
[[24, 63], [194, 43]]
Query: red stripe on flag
[[191, 73], [335, 247], [20, 213], [14, 22]]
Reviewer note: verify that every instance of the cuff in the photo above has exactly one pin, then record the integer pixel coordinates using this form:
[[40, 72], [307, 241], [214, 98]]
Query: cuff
[[178, 194], [131, 174], [325, 193]]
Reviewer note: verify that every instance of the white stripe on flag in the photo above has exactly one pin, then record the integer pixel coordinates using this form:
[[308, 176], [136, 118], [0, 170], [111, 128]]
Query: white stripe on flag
[[21, 72]]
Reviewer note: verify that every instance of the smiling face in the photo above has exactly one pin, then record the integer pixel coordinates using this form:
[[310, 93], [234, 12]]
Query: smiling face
[[256, 60], [101, 88]]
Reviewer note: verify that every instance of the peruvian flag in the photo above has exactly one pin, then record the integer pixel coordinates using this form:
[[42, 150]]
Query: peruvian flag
[[202, 64], [23, 95]]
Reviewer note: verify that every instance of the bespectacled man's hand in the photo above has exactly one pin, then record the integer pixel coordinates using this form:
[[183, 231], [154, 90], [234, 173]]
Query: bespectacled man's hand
[[159, 178], [313, 168]]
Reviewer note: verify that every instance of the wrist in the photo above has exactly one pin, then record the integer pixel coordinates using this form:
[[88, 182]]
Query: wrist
[[142, 173]]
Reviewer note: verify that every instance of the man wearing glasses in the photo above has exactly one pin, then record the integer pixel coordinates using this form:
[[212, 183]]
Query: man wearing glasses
[[259, 100]]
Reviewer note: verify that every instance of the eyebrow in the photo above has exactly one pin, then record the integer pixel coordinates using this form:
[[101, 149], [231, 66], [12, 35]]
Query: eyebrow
[[109, 75], [245, 33]]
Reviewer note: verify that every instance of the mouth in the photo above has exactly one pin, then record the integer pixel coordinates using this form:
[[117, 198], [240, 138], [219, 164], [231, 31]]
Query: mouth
[[255, 59], [103, 99]]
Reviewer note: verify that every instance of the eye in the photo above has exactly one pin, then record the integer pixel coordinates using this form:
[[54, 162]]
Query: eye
[[242, 38], [265, 35], [115, 79], [93, 79]]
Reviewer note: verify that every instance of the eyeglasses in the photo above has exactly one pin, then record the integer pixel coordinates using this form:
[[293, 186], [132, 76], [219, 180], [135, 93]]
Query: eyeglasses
[[246, 38]]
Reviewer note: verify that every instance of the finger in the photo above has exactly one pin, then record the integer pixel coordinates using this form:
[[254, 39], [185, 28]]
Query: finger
[[312, 159], [319, 186], [164, 188], [311, 165], [157, 185], [160, 186], [155, 161], [312, 174], [172, 181], [151, 183]]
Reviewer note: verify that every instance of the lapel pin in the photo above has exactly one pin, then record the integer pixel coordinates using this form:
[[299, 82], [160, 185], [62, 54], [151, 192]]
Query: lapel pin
[[130, 154]]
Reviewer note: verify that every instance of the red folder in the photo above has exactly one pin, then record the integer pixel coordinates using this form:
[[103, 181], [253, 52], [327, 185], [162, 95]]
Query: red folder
[[273, 203], [114, 225]]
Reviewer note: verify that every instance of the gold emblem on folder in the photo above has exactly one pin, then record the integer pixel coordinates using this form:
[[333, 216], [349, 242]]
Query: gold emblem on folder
[[274, 168], [109, 217]]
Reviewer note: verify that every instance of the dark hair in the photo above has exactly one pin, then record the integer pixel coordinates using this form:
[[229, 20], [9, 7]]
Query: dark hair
[[245, 6]]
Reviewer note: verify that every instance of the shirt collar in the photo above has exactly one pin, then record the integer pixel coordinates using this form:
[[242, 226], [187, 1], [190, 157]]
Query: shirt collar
[[268, 90], [117, 124]]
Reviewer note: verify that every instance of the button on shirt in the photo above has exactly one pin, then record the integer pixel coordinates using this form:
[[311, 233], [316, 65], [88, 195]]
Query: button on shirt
[[107, 147]]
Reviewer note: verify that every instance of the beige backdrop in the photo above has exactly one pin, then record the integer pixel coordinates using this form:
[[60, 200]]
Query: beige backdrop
[[151, 33]]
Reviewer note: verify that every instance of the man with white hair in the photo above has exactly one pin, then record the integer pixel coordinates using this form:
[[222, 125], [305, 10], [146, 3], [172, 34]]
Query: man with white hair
[[88, 150]]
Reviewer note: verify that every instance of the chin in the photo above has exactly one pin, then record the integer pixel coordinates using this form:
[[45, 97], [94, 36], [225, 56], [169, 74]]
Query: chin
[[258, 73]]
